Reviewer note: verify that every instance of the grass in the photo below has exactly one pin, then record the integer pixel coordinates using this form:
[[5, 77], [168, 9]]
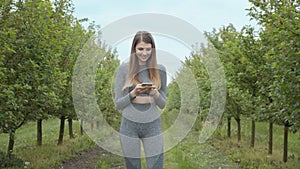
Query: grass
[[223, 152], [187, 154], [49, 154], [110, 161], [218, 152], [190, 154], [258, 156]]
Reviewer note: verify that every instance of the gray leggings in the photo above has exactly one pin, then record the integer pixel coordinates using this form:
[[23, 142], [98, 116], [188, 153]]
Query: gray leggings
[[151, 136]]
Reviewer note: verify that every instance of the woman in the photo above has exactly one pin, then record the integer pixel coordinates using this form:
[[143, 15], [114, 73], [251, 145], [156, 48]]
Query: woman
[[139, 90]]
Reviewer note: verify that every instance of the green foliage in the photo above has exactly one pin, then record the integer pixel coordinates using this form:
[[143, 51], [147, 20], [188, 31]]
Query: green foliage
[[196, 63], [168, 118], [93, 79], [104, 84], [41, 40], [173, 95], [71, 38], [39, 45], [180, 87], [280, 39], [237, 50], [261, 66]]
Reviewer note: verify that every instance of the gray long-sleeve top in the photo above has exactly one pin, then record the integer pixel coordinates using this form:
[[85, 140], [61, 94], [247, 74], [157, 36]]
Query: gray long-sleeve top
[[139, 112]]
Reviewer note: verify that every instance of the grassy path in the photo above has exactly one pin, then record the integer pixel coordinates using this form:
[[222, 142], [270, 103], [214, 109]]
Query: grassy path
[[81, 152], [186, 155]]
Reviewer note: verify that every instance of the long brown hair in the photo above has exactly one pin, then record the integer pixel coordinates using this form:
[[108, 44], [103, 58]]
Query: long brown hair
[[133, 69]]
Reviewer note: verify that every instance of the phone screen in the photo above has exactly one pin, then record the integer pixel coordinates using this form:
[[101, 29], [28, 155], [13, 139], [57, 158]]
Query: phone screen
[[146, 84]]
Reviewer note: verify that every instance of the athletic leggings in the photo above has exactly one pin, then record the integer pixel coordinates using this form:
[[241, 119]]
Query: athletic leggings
[[150, 134]]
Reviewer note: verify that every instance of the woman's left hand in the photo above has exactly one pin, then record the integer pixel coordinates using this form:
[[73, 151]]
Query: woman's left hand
[[153, 91]]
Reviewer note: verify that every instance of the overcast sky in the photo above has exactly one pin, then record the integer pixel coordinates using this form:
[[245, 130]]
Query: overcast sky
[[202, 14]]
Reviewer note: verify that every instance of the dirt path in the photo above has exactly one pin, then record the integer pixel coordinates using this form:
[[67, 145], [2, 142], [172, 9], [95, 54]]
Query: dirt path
[[90, 159]]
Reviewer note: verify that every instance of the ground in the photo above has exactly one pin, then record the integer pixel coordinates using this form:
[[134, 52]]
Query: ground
[[88, 160]]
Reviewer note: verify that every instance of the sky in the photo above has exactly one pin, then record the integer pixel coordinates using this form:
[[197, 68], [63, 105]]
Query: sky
[[205, 15]]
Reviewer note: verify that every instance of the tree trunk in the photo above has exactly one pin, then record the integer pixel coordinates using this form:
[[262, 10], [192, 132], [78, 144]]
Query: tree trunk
[[81, 127], [228, 126], [270, 138], [239, 129], [11, 143], [252, 133], [61, 130], [70, 122], [285, 143], [39, 133]]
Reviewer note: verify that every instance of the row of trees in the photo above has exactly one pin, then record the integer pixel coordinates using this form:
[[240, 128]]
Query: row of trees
[[40, 42], [261, 66]]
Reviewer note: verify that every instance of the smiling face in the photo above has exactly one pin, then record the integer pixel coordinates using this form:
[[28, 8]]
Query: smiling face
[[143, 52]]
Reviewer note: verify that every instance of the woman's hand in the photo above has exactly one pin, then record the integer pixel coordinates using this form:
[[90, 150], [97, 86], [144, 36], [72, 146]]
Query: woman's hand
[[139, 89], [154, 92]]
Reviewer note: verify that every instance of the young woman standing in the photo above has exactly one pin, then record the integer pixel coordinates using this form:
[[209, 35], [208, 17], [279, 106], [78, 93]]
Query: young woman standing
[[140, 90]]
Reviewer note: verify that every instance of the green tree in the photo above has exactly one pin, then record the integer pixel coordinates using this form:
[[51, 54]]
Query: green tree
[[92, 82], [197, 65], [280, 36], [226, 42], [40, 43], [71, 37], [104, 79], [30, 85]]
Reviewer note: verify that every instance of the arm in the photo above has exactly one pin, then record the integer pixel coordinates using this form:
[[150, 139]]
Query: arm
[[122, 97], [160, 97]]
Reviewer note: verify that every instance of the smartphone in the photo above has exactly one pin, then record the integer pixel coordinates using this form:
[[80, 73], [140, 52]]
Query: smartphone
[[146, 84]]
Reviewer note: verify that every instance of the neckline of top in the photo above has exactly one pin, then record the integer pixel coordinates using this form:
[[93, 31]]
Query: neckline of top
[[143, 66]]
